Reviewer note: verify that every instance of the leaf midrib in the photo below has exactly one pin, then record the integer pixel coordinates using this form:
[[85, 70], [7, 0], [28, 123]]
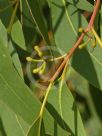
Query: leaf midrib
[[68, 18], [13, 91]]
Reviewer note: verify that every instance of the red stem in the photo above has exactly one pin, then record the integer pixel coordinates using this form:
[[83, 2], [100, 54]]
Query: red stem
[[96, 8], [91, 22], [67, 57]]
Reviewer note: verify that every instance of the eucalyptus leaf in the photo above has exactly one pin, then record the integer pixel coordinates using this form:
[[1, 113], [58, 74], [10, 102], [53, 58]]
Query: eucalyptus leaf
[[4, 36], [48, 126], [38, 18], [13, 91], [65, 19], [94, 94], [2, 132], [15, 58], [89, 64], [16, 28], [27, 19], [82, 4], [11, 123], [12, 50], [35, 128], [52, 127], [63, 108], [5, 15], [17, 34]]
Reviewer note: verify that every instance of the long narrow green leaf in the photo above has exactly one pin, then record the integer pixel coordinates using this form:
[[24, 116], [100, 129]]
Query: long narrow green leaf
[[52, 127], [17, 34], [36, 13], [13, 91], [65, 22], [15, 58], [10, 47], [62, 106], [89, 65], [11, 123], [35, 129]]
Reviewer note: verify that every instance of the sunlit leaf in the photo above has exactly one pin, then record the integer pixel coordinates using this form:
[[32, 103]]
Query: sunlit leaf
[[13, 91], [11, 122]]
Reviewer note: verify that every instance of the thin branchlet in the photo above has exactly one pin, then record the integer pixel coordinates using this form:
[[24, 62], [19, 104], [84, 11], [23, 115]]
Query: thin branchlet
[[70, 53]]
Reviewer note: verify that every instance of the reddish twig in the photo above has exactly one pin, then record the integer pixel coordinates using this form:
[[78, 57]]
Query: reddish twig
[[96, 8], [70, 53]]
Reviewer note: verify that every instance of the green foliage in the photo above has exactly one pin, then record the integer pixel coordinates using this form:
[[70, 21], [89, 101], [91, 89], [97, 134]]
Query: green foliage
[[64, 21], [84, 5], [65, 107], [27, 107]]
